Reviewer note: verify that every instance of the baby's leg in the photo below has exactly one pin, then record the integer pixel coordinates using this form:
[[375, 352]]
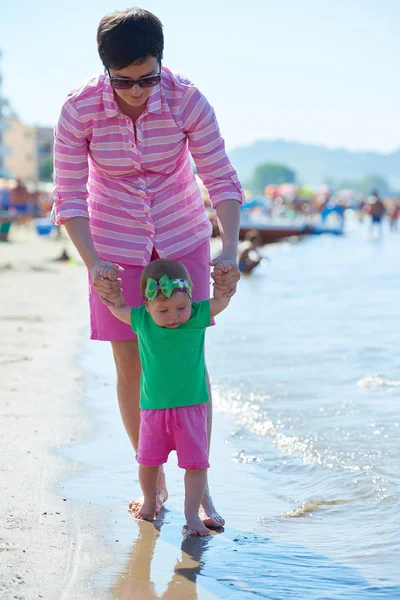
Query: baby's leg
[[195, 485], [148, 477]]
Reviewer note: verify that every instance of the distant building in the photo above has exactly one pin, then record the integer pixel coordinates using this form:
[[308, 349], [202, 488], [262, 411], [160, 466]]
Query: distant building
[[4, 151], [21, 160], [31, 150]]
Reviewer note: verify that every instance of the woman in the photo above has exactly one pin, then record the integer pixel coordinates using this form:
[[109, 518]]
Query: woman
[[126, 193]]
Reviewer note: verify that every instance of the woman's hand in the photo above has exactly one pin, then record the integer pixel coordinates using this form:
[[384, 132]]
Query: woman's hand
[[225, 273], [105, 280]]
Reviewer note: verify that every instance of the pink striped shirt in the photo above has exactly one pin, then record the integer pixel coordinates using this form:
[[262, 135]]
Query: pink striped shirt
[[139, 192]]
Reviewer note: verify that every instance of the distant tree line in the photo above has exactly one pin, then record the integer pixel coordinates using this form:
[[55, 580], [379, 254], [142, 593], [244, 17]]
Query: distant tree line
[[363, 186], [275, 174], [270, 174]]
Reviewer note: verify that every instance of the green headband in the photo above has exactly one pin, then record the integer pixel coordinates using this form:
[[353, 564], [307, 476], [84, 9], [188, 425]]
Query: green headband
[[166, 286]]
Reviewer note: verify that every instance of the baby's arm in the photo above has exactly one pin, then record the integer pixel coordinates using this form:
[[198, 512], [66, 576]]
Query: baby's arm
[[219, 302], [120, 309]]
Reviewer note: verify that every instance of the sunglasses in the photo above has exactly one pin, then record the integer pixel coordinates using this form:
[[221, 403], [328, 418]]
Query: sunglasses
[[125, 83]]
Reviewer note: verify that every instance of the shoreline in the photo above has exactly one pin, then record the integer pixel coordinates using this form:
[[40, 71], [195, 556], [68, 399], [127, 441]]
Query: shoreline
[[151, 558], [50, 545]]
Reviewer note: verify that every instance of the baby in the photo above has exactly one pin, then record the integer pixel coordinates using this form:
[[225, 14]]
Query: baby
[[173, 388]]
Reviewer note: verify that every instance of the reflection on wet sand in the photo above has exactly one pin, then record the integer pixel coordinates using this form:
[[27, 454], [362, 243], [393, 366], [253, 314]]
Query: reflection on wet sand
[[135, 581]]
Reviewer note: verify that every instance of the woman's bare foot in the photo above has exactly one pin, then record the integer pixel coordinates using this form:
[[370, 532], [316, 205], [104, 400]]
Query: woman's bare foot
[[161, 496], [136, 505], [208, 514], [195, 526], [146, 512]]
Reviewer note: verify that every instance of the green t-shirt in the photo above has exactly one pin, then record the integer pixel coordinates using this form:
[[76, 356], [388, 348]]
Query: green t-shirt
[[173, 369]]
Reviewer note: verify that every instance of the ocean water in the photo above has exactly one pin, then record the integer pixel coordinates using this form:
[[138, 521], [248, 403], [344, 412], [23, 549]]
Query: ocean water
[[310, 371], [305, 366]]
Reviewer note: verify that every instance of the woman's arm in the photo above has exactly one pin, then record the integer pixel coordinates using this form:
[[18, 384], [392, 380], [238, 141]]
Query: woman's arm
[[71, 148], [207, 147], [228, 217], [71, 168], [79, 232], [214, 168], [226, 273], [104, 273]]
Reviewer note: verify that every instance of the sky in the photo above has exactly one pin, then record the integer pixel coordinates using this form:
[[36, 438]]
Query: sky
[[315, 71]]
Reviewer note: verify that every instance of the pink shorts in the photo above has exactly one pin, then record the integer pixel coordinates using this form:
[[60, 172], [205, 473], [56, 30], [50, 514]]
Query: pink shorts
[[183, 429], [104, 326]]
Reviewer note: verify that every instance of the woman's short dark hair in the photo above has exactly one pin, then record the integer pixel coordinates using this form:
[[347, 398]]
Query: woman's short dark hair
[[129, 36]]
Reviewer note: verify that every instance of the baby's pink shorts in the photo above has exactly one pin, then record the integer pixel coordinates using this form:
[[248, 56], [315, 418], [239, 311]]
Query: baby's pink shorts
[[104, 326], [183, 429]]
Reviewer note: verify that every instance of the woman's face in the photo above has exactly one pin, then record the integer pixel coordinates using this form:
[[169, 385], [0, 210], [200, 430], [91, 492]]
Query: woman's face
[[136, 96]]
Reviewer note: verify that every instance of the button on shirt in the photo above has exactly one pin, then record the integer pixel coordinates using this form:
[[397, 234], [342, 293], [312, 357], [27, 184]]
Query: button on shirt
[[140, 192]]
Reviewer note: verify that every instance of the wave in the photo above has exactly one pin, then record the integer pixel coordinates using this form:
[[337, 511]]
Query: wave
[[250, 413], [311, 506], [375, 380]]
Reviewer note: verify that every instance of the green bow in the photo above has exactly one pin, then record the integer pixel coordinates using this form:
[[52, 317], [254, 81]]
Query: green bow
[[166, 286]]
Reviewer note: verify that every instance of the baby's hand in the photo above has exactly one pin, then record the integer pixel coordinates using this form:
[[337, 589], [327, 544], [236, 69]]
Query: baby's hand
[[105, 280], [222, 267], [107, 273]]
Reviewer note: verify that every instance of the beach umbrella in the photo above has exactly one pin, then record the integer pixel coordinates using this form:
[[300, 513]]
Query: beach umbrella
[[288, 190]]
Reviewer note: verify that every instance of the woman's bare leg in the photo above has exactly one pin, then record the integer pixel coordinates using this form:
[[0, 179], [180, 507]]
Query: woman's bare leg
[[148, 477], [127, 362], [208, 512]]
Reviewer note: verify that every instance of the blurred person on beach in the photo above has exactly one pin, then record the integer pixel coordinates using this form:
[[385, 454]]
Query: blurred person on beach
[[126, 193], [19, 201], [34, 204], [376, 210], [248, 255], [173, 384]]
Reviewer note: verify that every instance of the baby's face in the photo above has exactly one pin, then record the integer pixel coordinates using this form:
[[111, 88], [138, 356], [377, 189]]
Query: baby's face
[[170, 312]]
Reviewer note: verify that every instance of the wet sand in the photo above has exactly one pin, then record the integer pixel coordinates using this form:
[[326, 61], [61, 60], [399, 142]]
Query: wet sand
[[157, 560]]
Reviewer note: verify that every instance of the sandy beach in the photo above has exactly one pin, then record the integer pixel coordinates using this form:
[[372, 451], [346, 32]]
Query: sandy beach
[[48, 545]]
